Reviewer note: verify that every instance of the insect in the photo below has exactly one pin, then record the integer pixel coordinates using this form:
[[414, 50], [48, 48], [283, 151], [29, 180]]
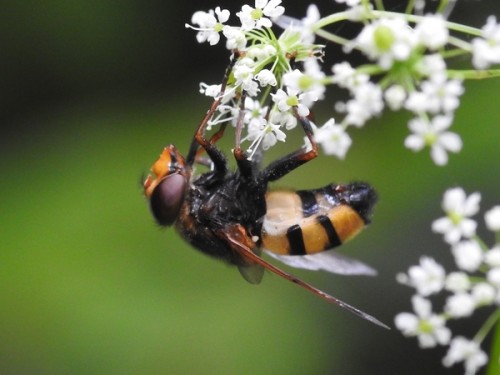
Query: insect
[[232, 216]]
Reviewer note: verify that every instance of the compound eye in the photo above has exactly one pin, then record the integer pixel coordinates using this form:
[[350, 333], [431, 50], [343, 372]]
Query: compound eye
[[167, 198]]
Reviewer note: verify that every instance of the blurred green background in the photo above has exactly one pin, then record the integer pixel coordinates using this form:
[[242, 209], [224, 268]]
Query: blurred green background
[[90, 91]]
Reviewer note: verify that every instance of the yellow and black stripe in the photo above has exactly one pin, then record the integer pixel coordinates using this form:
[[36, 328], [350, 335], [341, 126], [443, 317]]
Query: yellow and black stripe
[[311, 221]]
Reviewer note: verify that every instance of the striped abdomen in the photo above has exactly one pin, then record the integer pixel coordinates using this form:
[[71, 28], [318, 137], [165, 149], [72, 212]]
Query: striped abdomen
[[310, 221]]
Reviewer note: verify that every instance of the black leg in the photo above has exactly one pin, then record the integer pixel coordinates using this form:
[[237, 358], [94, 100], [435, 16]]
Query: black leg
[[288, 163], [245, 166], [199, 139], [208, 162]]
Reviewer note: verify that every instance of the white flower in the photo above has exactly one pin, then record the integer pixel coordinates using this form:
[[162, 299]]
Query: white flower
[[213, 91], [492, 257], [223, 114], [366, 103], [235, 38], [312, 16], [297, 81], [427, 278], [209, 25], [492, 219], [303, 27], [286, 119], [428, 327], [244, 75], [273, 134], [417, 102], [266, 77], [333, 139], [386, 40], [258, 17], [347, 77], [432, 64], [359, 12], [468, 255], [438, 94], [395, 97], [254, 113], [433, 133], [350, 3], [458, 208], [467, 351], [309, 81], [493, 276], [486, 50], [460, 305], [290, 98], [457, 282], [432, 32], [483, 294], [259, 52], [210, 90], [265, 133]]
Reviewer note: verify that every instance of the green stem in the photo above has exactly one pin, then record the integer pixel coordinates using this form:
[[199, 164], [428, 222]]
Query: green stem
[[454, 41], [474, 74], [451, 25], [370, 69], [331, 19], [487, 326], [494, 362], [410, 6], [450, 53], [331, 37], [342, 16], [442, 6], [379, 4]]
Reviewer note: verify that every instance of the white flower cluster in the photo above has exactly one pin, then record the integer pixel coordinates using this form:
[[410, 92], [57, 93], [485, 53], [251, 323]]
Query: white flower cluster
[[475, 283], [486, 49], [414, 77], [275, 92], [281, 76]]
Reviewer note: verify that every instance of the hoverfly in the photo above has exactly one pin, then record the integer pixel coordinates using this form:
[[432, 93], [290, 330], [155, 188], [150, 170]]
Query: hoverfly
[[231, 215]]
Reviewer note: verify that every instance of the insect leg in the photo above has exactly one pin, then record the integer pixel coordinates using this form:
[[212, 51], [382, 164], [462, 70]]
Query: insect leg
[[199, 158], [288, 163], [209, 144], [245, 166], [239, 241]]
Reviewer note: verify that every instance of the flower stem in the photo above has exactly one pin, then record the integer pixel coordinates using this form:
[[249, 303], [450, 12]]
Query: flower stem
[[374, 14], [488, 326], [331, 37], [473, 74], [410, 6], [379, 4], [494, 363]]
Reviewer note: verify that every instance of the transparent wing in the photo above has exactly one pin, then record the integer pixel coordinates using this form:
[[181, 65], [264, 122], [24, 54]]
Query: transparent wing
[[329, 261], [237, 238], [286, 22], [253, 274]]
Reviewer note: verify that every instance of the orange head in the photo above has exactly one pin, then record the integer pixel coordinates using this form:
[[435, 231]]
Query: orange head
[[165, 187]]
